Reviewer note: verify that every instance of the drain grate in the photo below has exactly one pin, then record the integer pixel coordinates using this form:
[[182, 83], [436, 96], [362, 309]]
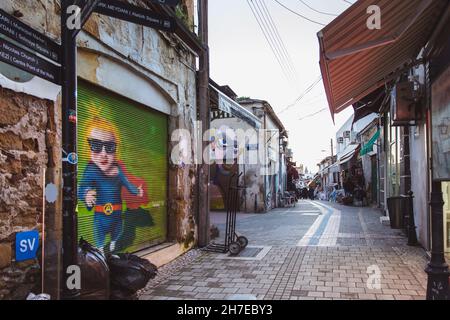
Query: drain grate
[[249, 253]]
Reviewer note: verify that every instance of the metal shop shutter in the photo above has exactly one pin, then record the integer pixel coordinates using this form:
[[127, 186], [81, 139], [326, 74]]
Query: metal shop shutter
[[122, 172]]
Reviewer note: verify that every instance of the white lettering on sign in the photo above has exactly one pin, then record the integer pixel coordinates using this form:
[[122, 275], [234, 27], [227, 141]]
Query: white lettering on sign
[[27, 245]]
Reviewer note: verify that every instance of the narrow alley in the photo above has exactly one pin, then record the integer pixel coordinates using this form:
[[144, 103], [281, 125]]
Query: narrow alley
[[316, 250], [224, 150]]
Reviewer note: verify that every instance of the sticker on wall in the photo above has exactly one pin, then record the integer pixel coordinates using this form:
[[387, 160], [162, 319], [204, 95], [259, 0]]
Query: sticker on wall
[[73, 116], [72, 158], [27, 244], [51, 193]]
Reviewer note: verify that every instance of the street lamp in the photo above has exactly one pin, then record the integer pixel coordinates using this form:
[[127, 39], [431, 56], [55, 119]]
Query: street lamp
[[437, 269]]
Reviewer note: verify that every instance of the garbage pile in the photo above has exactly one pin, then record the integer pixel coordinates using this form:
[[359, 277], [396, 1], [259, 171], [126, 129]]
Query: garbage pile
[[117, 277], [129, 274], [94, 272]]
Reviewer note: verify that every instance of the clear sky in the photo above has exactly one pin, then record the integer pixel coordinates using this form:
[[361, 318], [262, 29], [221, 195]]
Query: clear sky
[[242, 59]]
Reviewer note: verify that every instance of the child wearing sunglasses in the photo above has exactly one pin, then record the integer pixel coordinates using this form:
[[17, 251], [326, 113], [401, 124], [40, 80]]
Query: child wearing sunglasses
[[102, 182]]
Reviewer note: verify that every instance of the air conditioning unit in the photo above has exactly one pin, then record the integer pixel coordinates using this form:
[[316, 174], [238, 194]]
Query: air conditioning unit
[[404, 99], [347, 134], [340, 140]]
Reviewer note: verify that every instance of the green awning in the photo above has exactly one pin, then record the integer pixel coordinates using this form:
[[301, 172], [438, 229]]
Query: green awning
[[368, 147]]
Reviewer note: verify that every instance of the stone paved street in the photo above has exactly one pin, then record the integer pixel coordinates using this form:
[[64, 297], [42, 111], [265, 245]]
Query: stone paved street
[[316, 250]]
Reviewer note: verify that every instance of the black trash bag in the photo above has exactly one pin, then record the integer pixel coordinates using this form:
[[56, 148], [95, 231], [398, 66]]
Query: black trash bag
[[128, 274], [95, 277], [117, 294]]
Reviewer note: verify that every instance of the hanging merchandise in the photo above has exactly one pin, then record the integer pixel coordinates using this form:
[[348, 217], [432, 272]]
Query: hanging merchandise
[[122, 172]]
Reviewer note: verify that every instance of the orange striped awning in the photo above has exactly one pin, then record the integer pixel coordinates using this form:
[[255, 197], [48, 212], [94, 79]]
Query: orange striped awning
[[355, 61]]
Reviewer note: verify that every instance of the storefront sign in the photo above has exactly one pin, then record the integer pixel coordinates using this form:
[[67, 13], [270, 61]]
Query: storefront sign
[[20, 32], [441, 127], [26, 61], [124, 11], [27, 244]]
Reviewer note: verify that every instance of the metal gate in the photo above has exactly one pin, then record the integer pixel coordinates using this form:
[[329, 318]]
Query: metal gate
[[122, 172]]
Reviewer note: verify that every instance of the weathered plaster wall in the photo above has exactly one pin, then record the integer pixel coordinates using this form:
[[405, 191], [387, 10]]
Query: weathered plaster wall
[[419, 181]]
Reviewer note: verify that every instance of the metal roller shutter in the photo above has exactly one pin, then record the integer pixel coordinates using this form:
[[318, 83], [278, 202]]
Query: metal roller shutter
[[122, 172]]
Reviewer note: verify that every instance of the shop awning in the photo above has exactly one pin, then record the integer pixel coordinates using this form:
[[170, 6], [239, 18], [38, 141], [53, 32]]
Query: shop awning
[[355, 61], [368, 147], [231, 107], [348, 153]]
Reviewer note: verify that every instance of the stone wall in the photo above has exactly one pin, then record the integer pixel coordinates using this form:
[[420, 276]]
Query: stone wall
[[27, 127]]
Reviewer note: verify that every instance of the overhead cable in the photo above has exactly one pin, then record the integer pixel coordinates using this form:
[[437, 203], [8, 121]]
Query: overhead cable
[[312, 114], [268, 41], [298, 14], [318, 11], [281, 43], [302, 95], [271, 35]]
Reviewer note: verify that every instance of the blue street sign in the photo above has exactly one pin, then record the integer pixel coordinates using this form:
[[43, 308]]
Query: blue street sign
[[27, 244]]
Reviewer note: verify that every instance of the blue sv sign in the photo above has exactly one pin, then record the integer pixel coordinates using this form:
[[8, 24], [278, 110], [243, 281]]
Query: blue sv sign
[[27, 244]]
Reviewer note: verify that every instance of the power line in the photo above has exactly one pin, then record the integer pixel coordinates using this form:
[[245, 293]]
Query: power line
[[318, 11], [298, 14], [304, 93], [280, 40], [264, 20], [268, 41], [312, 114]]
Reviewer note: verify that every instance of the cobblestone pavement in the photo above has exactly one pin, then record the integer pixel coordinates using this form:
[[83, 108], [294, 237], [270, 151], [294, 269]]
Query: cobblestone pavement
[[315, 251]]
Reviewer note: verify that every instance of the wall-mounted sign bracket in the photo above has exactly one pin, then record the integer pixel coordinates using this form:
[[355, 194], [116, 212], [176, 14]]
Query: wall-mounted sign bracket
[[112, 8]]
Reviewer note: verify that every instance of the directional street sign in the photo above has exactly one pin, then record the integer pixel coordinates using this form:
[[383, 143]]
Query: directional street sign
[[124, 11], [171, 3], [30, 38], [29, 62]]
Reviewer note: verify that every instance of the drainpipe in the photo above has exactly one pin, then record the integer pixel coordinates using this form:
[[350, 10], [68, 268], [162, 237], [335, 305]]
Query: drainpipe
[[204, 117]]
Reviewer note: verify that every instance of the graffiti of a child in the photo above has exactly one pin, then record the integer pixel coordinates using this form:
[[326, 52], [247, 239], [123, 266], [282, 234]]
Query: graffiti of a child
[[102, 181]]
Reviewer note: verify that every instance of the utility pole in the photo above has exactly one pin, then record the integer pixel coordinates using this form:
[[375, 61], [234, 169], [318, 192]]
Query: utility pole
[[332, 148], [204, 117]]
